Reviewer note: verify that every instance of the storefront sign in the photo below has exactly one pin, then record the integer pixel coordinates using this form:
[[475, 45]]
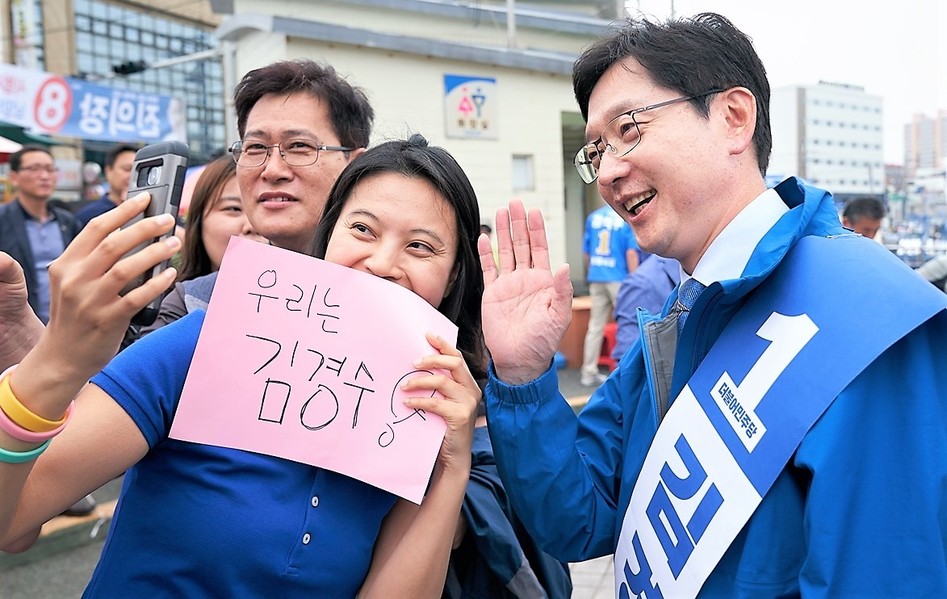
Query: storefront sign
[[47, 103]]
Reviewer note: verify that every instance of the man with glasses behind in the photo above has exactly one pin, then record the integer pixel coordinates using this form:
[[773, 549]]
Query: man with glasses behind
[[300, 124], [31, 231], [759, 440]]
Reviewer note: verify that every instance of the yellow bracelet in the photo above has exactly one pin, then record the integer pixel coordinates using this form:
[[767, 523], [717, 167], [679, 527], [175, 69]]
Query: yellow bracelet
[[19, 413]]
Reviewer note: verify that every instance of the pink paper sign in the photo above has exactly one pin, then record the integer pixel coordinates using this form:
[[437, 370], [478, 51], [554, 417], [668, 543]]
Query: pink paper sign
[[303, 359]]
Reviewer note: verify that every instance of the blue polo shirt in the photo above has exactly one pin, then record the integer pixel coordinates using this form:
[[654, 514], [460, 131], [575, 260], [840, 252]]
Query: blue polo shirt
[[202, 521], [47, 244], [606, 241]]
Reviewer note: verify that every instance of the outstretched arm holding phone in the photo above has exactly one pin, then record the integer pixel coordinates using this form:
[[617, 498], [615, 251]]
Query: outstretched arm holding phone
[[85, 283]]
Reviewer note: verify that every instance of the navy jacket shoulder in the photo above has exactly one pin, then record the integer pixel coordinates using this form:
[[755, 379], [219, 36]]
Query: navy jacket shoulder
[[14, 241]]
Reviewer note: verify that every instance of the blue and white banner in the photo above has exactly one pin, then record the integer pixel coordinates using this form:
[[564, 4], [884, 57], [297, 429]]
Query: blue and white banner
[[778, 365], [47, 103]]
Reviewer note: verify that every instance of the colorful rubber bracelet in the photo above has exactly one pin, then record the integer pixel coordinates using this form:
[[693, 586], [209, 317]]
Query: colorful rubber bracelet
[[19, 457], [16, 431], [19, 413]]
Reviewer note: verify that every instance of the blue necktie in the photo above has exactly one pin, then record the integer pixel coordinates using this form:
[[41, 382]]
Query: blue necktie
[[686, 297]]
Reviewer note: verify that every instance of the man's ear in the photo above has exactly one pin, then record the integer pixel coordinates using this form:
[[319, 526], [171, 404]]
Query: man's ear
[[739, 110], [353, 154]]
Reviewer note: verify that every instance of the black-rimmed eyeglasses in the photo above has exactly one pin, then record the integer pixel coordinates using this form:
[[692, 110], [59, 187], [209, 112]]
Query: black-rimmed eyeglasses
[[619, 137], [295, 152]]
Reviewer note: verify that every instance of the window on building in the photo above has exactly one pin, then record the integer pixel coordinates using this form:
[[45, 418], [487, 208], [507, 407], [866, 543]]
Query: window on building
[[108, 34], [523, 177]]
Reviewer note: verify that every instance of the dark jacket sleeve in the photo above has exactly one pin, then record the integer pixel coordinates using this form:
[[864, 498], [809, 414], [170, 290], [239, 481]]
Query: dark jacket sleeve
[[172, 308], [498, 558]]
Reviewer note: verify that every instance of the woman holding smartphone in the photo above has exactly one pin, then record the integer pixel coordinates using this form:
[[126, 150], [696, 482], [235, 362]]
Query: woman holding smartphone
[[197, 520]]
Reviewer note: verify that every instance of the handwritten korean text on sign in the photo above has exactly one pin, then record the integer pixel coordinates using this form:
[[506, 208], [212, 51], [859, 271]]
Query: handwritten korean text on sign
[[303, 359]]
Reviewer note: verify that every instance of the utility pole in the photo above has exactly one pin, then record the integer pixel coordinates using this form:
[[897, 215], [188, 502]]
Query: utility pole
[[137, 66], [226, 51], [511, 24]]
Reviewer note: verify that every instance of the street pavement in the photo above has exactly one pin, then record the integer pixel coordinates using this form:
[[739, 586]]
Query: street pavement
[[60, 564]]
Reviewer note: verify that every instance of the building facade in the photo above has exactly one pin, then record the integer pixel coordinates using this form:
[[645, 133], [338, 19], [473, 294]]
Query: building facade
[[925, 144], [91, 39], [489, 83], [496, 94], [831, 135], [922, 189]]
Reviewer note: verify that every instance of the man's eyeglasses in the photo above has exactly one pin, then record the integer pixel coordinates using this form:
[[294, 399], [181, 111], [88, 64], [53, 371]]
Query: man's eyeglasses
[[619, 137], [296, 152], [40, 168]]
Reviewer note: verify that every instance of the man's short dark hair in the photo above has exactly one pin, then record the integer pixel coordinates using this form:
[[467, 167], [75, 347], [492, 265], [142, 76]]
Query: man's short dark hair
[[16, 158], [350, 113], [113, 153], [690, 55], [863, 207]]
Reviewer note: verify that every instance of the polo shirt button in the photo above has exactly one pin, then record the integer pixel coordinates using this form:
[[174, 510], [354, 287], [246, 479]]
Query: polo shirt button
[[315, 501], [306, 538]]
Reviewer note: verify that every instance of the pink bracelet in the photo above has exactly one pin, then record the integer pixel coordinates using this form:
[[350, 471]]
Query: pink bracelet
[[18, 432]]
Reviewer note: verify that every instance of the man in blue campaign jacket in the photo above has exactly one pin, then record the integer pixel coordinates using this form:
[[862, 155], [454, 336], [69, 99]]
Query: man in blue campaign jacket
[[856, 506]]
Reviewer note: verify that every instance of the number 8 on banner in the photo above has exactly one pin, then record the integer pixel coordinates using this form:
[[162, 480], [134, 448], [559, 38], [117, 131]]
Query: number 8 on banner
[[53, 104]]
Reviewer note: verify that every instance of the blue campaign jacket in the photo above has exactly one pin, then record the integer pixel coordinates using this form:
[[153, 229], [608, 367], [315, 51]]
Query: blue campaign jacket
[[859, 511]]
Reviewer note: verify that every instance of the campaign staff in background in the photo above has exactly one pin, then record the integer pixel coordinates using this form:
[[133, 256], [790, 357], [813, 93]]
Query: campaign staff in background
[[759, 440], [404, 212], [863, 215], [118, 169], [610, 254]]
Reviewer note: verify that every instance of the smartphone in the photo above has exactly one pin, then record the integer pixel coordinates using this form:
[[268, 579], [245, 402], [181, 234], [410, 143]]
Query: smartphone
[[158, 169]]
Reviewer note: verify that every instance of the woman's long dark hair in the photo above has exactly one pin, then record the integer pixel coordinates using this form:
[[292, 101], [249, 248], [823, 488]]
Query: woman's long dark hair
[[415, 158], [210, 184]]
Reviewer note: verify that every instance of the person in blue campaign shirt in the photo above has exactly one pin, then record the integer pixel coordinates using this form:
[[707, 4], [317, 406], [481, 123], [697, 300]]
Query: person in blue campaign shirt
[[610, 253], [671, 466]]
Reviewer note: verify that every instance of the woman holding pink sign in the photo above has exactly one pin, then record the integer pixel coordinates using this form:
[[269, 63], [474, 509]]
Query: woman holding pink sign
[[198, 520]]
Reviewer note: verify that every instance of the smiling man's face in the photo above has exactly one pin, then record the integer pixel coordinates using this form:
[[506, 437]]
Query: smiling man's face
[[284, 203]]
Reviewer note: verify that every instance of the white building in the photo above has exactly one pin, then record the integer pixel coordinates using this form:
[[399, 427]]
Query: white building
[[925, 144], [496, 94], [831, 135]]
